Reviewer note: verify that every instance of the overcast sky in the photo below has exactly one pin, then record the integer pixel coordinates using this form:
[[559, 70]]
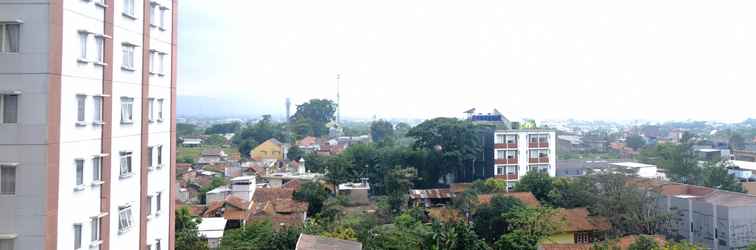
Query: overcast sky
[[583, 59]]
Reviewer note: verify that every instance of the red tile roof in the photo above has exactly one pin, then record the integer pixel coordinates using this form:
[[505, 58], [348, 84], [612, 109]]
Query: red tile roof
[[311, 242], [436, 193], [292, 184], [268, 194], [577, 219], [526, 198]]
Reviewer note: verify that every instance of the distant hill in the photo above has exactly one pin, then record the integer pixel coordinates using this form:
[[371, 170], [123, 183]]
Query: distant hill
[[213, 107]]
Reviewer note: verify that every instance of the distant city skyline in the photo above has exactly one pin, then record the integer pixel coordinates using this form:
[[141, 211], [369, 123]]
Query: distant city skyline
[[586, 59]]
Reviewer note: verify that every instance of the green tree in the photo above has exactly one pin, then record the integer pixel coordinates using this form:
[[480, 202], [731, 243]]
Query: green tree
[[316, 163], [216, 140], [314, 194], [340, 169], [186, 129], [635, 142], [381, 130], [537, 182], [454, 144], [223, 128], [259, 235], [262, 131], [246, 146], [455, 236], [402, 129], [317, 113], [187, 237], [295, 153], [488, 186], [529, 226], [489, 221], [644, 243], [398, 183], [570, 193], [715, 175], [406, 233], [214, 183]]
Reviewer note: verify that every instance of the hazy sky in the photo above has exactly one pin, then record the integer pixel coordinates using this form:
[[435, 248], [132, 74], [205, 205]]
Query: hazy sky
[[597, 59]]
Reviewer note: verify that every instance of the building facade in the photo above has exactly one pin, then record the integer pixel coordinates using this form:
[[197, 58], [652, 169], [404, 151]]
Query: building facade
[[517, 151], [87, 124]]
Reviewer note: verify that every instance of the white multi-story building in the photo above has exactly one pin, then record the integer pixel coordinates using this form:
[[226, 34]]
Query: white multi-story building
[[517, 151], [87, 124]]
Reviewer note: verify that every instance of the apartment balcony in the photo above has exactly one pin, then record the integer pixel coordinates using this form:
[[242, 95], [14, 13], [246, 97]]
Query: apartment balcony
[[506, 161], [505, 145], [539, 160], [508, 177], [538, 145]]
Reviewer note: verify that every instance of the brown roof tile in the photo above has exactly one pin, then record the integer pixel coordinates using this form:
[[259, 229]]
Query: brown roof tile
[[268, 194], [436, 193], [526, 198], [577, 219], [292, 184]]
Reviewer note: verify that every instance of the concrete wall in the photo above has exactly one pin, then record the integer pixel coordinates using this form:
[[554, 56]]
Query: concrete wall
[[25, 143]]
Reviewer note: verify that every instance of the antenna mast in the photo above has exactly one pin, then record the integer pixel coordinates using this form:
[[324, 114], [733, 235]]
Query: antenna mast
[[338, 99]]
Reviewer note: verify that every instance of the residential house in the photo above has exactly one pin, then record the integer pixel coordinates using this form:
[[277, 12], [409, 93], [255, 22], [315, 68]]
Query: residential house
[[576, 226], [617, 244], [526, 198], [270, 149], [357, 192], [313, 242], [191, 142], [309, 144], [212, 156], [743, 170], [234, 209], [436, 197], [212, 229], [716, 219], [278, 206]]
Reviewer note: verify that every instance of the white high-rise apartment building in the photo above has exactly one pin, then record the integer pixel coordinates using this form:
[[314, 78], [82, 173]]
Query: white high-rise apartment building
[[517, 151], [87, 124]]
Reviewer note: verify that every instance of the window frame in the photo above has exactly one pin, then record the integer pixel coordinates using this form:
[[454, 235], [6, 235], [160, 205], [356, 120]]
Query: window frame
[[151, 109], [150, 157], [78, 233], [81, 109], [100, 45], [127, 104], [83, 47], [78, 174], [97, 105], [3, 112], [159, 155], [96, 169], [3, 169], [12, 242], [125, 164], [160, 102], [149, 205], [128, 52], [5, 48], [129, 8], [96, 233], [124, 219], [158, 206]]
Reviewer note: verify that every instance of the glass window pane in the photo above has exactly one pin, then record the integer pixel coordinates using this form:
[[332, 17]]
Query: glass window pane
[[7, 180], [10, 108]]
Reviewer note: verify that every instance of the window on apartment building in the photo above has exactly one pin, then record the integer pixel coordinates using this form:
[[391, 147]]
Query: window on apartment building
[[127, 109], [97, 109], [158, 199], [100, 45], [83, 37], [97, 169], [511, 154], [501, 154], [124, 219], [149, 205], [149, 156], [151, 114], [161, 57], [152, 61], [500, 170], [157, 244], [160, 155], [95, 224], [128, 7], [162, 17], [8, 108], [7, 244], [125, 163], [511, 139], [10, 36], [149, 247], [77, 236], [81, 101], [160, 110], [7, 179], [79, 172], [499, 139], [128, 56], [153, 14]]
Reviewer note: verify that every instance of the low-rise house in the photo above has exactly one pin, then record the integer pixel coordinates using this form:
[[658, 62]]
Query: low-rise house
[[309, 144], [616, 244], [233, 209], [577, 226], [191, 142], [218, 194], [357, 192], [312, 242], [270, 149], [212, 229], [743, 170], [580, 167], [526, 198], [280, 212], [430, 197], [212, 156]]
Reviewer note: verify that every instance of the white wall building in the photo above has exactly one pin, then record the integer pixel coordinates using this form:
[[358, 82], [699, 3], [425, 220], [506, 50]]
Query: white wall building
[[518, 151], [87, 124]]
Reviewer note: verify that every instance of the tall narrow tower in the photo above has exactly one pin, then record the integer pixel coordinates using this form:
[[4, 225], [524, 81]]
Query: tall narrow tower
[[338, 99], [288, 109]]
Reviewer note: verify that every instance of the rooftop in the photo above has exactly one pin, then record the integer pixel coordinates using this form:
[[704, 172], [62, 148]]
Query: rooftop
[[212, 227], [744, 164], [632, 164], [311, 242], [353, 186]]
